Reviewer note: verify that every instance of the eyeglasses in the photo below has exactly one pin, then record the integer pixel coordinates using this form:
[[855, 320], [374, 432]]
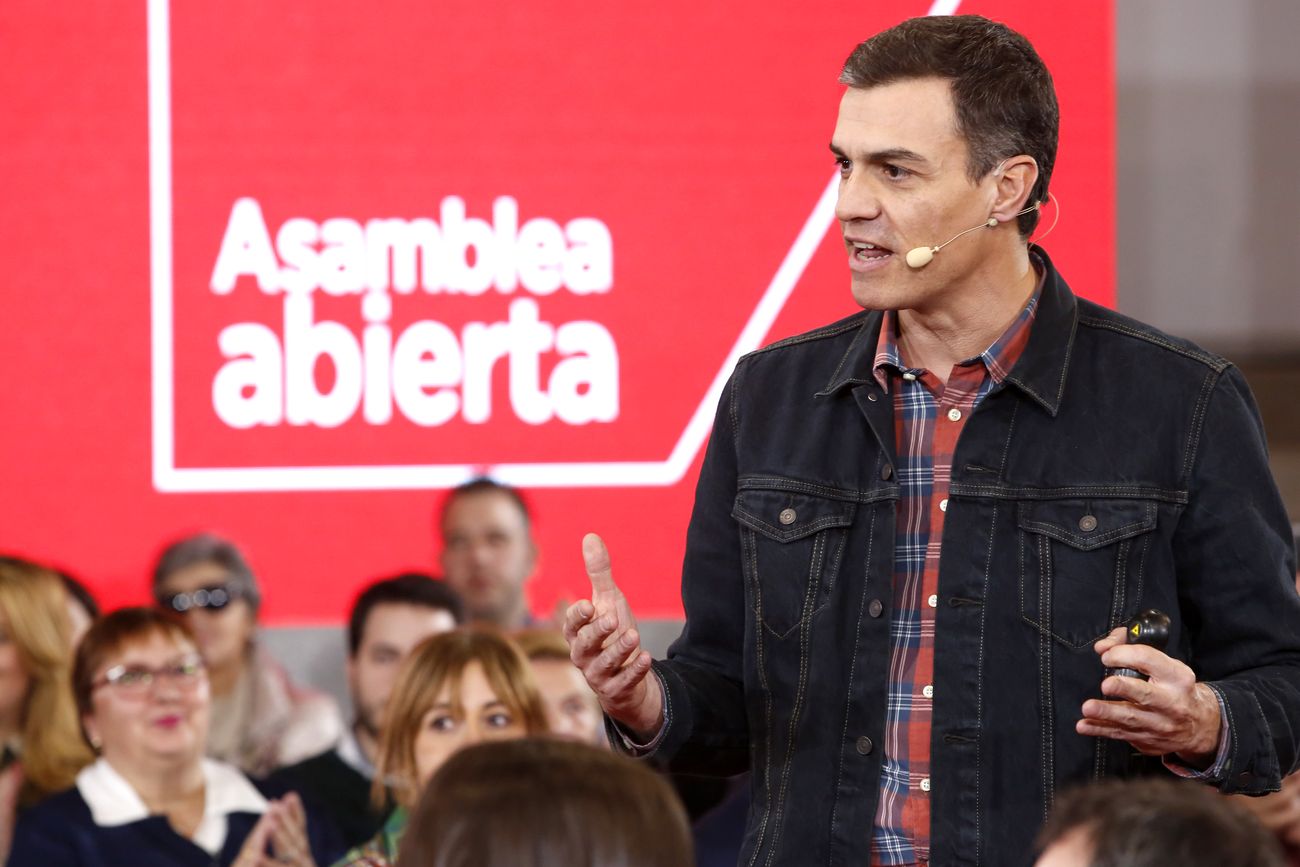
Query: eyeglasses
[[216, 597], [137, 679]]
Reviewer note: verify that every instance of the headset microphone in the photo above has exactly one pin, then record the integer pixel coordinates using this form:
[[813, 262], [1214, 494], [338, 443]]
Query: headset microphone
[[919, 257]]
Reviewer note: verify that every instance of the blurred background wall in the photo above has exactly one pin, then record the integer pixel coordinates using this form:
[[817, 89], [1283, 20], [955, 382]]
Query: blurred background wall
[[1208, 191]]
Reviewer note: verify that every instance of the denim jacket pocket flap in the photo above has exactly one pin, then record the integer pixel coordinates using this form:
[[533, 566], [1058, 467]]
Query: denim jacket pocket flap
[[784, 516], [1087, 524]]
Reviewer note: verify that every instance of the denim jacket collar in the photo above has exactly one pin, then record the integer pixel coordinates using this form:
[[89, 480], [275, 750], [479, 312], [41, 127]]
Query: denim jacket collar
[[1040, 373]]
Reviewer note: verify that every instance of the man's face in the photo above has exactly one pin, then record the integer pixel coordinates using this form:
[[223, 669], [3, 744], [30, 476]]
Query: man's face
[[904, 184], [487, 554], [391, 630]]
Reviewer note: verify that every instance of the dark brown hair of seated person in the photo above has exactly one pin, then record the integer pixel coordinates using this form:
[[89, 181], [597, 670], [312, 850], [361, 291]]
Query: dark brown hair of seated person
[[110, 635], [538, 802], [1157, 822]]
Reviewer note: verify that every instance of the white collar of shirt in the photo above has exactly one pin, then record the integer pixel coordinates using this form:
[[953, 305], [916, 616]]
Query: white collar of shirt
[[349, 750], [112, 800]]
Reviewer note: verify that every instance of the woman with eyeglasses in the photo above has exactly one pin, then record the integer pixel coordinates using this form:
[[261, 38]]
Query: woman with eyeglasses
[[455, 689], [41, 748], [261, 720], [152, 798]]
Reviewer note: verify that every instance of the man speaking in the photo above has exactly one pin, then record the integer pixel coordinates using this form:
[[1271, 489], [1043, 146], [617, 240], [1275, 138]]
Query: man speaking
[[919, 532]]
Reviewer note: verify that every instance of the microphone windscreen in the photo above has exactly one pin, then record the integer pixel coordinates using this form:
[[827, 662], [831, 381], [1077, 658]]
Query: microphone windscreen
[[919, 257]]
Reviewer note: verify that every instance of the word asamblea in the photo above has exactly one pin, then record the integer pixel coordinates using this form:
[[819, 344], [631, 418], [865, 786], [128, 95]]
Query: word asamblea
[[430, 373]]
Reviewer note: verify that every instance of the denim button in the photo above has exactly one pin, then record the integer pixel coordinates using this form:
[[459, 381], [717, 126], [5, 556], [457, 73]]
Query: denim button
[[1087, 523], [787, 516], [875, 607], [864, 746], [886, 471], [871, 396]]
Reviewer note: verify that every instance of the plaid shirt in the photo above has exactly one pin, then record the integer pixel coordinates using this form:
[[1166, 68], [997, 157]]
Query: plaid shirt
[[928, 419]]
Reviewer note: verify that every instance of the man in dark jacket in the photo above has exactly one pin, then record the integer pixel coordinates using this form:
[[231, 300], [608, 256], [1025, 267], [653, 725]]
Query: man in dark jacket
[[919, 532]]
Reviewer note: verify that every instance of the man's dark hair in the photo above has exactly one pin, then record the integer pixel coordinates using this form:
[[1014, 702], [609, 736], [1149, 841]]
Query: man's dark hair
[[1158, 822], [408, 588], [485, 485], [1003, 94]]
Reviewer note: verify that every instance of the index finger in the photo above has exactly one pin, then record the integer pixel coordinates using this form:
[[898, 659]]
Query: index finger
[[595, 556], [1117, 636]]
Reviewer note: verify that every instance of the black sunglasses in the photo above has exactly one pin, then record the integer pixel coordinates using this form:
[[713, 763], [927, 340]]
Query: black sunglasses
[[216, 597]]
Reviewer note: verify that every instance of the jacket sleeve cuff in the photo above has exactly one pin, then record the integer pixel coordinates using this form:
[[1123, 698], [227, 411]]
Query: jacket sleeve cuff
[[1249, 759], [624, 741], [1217, 771]]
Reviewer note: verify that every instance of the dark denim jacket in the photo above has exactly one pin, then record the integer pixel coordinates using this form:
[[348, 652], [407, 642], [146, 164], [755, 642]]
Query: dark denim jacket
[[782, 664]]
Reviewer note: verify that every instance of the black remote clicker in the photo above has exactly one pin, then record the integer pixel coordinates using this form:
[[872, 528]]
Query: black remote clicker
[[1149, 627]]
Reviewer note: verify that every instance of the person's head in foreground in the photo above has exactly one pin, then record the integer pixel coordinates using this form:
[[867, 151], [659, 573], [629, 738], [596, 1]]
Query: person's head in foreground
[[1153, 823], [572, 709], [455, 689], [542, 802]]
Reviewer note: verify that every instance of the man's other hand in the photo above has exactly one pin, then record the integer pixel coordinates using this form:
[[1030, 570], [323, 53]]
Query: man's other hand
[[606, 647], [1169, 714]]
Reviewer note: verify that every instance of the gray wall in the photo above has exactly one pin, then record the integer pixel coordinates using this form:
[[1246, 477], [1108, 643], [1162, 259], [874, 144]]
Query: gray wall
[[1208, 218], [1208, 175]]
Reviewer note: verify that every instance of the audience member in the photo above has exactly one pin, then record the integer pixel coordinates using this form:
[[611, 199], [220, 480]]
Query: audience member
[[41, 748], [261, 719], [572, 709], [538, 803], [455, 689], [1153, 823], [488, 552], [388, 619], [152, 798]]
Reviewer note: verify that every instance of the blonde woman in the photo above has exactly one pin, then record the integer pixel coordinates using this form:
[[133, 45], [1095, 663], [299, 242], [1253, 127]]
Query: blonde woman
[[42, 745], [455, 689]]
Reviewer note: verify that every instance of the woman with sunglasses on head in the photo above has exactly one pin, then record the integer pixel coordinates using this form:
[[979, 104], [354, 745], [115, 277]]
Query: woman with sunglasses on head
[[455, 689], [152, 798], [41, 748], [261, 719]]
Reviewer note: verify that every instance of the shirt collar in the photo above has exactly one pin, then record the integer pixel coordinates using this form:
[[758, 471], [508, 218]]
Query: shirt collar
[[350, 752], [113, 802], [998, 358]]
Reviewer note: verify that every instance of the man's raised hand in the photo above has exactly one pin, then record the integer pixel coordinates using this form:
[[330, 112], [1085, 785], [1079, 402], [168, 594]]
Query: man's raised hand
[[606, 647]]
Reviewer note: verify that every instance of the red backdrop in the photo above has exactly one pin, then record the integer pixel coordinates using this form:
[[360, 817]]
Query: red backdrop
[[211, 319]]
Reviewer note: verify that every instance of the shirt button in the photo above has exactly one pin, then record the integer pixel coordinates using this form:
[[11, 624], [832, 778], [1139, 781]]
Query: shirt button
[[909, 376], [954, 414], [787, 516], [943, 505], [864, 746], [1087, 523], [886, 471], [875, 607], [925, 785], [933, 601], [927, 691]]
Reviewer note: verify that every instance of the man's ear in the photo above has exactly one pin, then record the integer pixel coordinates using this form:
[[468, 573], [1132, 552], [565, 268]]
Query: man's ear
[[1014, 185]]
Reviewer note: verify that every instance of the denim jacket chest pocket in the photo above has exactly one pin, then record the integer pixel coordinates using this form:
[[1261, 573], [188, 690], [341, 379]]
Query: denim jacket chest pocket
[[1081, 564], [792, 543]]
